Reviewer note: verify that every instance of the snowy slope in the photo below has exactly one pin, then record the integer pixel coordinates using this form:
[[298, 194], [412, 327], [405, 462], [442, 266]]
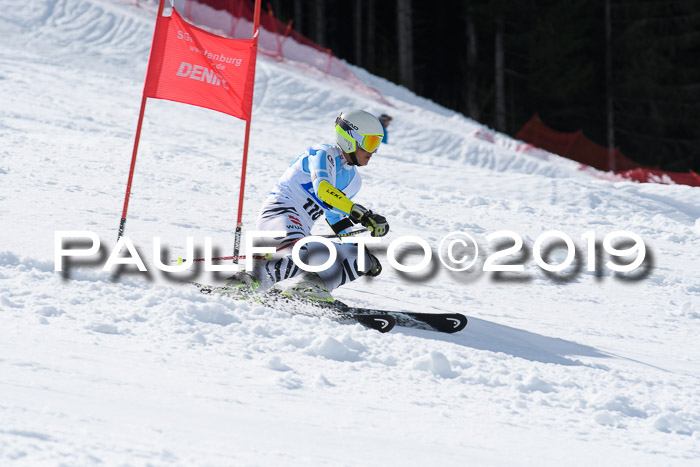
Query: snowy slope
[[144, 370]]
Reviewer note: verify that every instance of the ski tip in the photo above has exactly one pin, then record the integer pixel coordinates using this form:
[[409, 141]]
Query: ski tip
[[381, 323], [454, 323], [443, 322]]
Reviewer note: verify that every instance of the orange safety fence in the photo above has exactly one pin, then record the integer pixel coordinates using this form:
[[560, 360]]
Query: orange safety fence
[[578, 147], [660, 176]]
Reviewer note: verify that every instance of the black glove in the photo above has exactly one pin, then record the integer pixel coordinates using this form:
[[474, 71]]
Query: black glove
[[374, 222]]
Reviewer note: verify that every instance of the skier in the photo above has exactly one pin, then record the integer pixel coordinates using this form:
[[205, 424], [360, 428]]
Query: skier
[[321, 181], [385, 120]]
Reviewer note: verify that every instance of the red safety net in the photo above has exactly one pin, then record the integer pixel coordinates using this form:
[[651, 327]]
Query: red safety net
[[574, 146], [660, 176], [277, 39], [578, 147]]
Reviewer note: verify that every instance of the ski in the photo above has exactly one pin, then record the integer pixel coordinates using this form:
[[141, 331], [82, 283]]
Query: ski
[[441, 322], [378, 319]]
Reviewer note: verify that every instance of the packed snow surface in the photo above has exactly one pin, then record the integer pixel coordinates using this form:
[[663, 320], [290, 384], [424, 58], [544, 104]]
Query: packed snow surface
[[577, 367]]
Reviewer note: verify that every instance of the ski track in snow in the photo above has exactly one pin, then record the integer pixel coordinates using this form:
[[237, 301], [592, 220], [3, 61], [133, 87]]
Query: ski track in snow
[[148, 371]]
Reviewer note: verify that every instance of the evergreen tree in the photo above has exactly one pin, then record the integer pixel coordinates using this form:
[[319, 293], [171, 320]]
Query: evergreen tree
[[657, 104]]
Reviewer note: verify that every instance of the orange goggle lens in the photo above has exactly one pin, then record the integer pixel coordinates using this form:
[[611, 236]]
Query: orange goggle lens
[[370, 143]]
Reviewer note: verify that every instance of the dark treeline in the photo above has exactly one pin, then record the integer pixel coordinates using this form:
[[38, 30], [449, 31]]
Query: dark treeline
[[501, 61]]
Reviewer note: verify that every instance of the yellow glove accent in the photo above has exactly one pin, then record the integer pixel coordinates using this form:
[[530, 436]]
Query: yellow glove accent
[[334, 197]]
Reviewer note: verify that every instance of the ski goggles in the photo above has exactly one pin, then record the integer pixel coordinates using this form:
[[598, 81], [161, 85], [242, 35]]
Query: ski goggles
[[369, 143]]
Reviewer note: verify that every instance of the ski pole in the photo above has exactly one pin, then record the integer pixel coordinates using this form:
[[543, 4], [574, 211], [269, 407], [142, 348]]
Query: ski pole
[[180, 260]]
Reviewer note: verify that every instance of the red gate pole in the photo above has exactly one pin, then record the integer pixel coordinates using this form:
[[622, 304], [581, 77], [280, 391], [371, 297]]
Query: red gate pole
[[122, 223], [239, 221]]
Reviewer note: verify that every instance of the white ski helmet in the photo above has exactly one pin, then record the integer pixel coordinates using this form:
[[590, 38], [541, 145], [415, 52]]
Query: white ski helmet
[[358, 127]]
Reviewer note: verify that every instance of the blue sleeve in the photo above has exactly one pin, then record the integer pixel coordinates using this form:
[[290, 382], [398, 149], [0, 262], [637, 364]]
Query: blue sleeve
[[333, 217], [321, 167]]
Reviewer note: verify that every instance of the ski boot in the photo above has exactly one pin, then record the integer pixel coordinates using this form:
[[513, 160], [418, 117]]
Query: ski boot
[[309, 287], [242, 284]]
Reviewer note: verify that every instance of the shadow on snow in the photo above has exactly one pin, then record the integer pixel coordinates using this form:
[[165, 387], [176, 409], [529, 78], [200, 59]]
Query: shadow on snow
[[486, 335]]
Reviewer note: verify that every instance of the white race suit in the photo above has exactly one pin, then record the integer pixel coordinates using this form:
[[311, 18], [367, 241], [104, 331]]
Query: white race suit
[[293, 206]]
